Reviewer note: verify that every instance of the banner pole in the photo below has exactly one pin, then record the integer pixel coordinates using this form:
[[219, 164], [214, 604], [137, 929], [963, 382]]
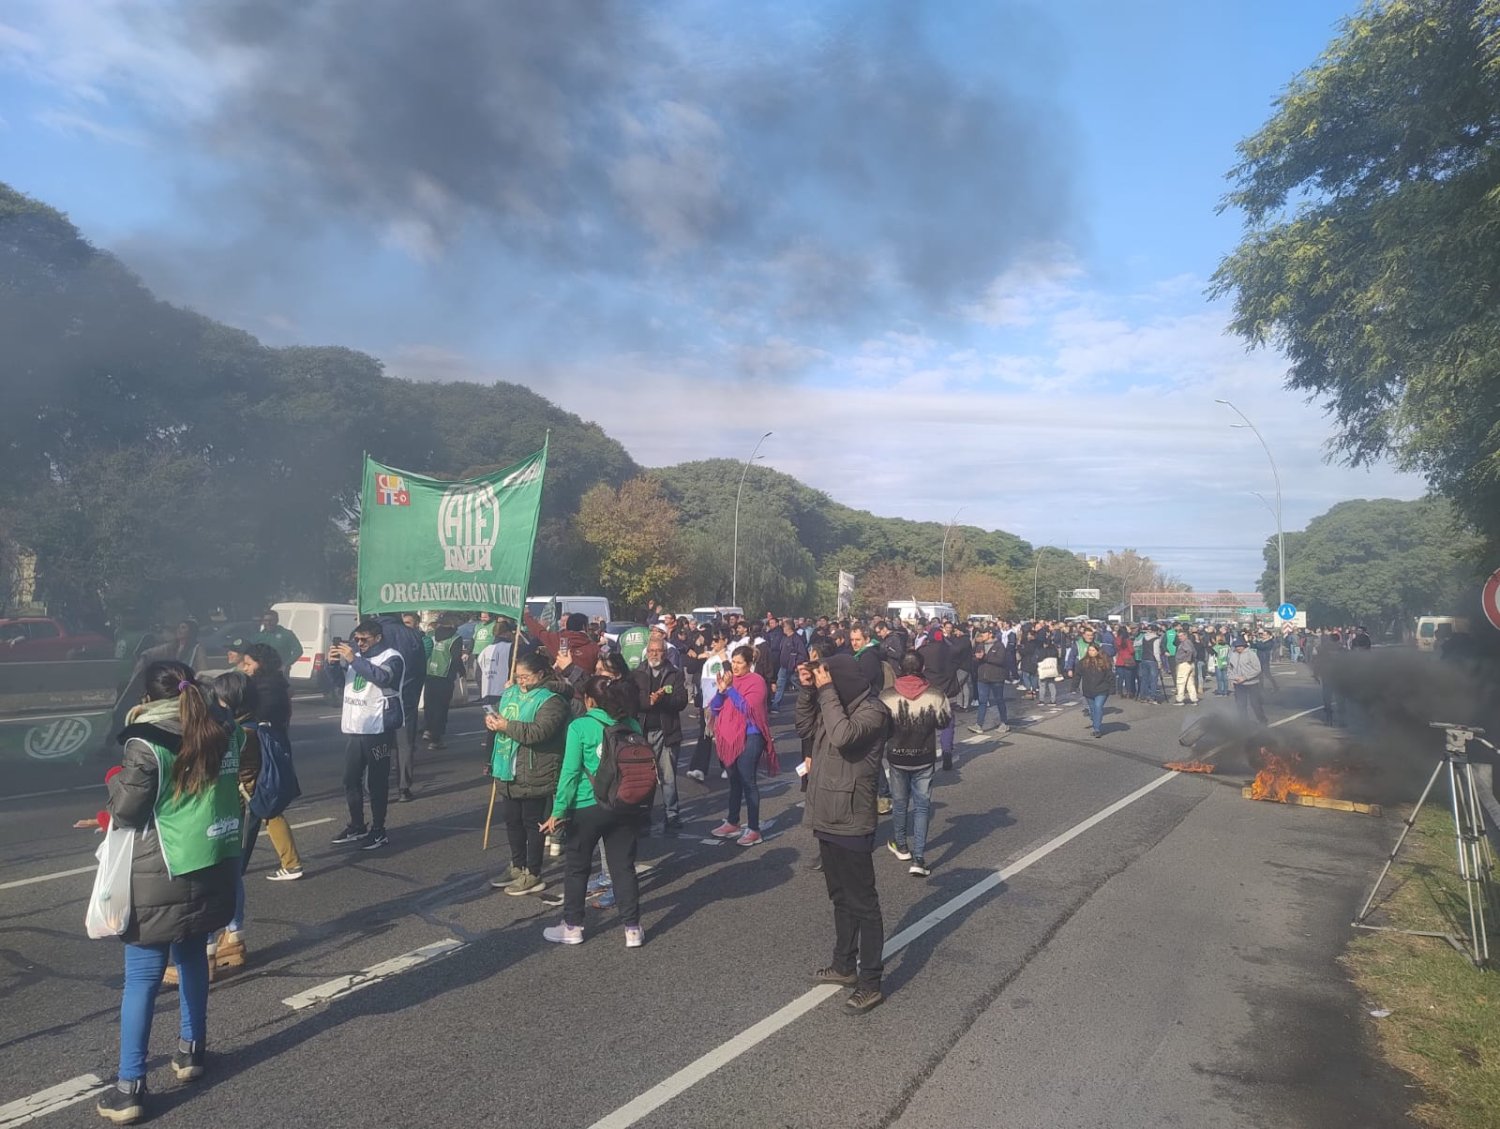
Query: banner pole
[[490, 814]]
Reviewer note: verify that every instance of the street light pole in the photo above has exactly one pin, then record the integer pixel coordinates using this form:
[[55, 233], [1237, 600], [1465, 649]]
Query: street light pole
[[943, 557], [734, 578], [1276, 477]]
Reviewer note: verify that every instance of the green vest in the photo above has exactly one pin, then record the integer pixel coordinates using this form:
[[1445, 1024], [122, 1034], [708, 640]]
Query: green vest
[[515, 705], [197, 831], [484, 635], [440, 661]]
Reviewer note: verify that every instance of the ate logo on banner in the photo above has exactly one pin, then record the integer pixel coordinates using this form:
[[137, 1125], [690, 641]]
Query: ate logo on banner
[[468, 527], [390, 490]]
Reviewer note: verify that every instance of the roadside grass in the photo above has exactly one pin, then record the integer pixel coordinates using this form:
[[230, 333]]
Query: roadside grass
[[1444, 1026]]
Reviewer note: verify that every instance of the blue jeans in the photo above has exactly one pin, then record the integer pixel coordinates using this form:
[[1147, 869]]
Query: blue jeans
[[239, 901], [945, 736], [916, 783], [1150, 675], [1096, 711], [1125, 680], [144, 966], [743, 785], [991, 693], [1221, 679], [783, 676]]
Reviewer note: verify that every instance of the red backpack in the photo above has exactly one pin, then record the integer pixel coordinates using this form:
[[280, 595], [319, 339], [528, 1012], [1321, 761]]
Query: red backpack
[[626, 780]]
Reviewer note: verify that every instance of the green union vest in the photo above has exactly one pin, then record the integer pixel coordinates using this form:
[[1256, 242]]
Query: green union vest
[[484, 635], [197, 831], [441, 659]]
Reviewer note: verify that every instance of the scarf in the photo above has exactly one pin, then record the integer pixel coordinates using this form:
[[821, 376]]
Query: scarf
[[154, 713], [515, 705], [731, 725]]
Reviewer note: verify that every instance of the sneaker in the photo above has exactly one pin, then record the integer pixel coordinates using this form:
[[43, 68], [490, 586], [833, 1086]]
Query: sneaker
[[727, 830], [505, 877], [832, 975], [919, 867], [749, 838], [1001, 730], [350, 834], [528, 883], [598, 882], [883, 805], [635, 936], [374, 841], [563, 934], [124, 1102], [975, 729], [696, 774], [1098, 733], [553, 899], [724, 774], [602, 899], [898, 849], [405, 797], [864, 999], [674, 823], [285, 875], [187, 1063]]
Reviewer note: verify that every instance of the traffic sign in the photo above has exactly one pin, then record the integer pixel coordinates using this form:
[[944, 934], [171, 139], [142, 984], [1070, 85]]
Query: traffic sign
[[1085, 593], [1287, 611], [1490, 599]]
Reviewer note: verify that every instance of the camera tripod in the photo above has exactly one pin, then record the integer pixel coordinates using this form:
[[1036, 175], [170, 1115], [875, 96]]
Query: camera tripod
[[1476, 863]]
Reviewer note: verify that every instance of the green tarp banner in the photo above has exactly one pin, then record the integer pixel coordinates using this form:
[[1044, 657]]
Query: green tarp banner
[[633, 642], [454, 546]]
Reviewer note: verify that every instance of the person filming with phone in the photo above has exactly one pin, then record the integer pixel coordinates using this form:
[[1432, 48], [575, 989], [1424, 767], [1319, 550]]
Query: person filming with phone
[[372, 716]]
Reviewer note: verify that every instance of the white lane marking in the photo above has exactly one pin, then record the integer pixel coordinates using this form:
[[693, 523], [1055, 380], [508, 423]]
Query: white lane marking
[[50, 1100], [53, 792], [310, 823], [344, 985], [46, 878], [721, 1056]]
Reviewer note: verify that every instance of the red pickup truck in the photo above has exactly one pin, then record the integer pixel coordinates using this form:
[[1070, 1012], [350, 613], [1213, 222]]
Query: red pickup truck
[[41, 639]]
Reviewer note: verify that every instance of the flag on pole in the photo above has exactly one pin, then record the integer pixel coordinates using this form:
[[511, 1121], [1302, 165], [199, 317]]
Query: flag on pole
[[846, 592], [458, 546]]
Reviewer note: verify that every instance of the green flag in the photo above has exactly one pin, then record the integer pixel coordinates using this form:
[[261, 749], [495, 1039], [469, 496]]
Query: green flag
[[458, 546]]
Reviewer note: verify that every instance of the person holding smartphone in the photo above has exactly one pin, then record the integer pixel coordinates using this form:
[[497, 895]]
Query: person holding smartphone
[[663, 696], [372, 716]]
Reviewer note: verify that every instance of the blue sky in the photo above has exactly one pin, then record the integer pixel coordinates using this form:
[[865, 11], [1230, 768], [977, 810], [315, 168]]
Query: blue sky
[[952, 258]]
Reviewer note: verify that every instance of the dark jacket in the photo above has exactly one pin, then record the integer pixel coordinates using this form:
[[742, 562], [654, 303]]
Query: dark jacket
[[868, 661], [938, 666], [1094, 680], [892, 647], [997, 665], [542, 741], [666, 715], [793, 652], [915, 724], [845, 745], [413, 652], [163, 909], [273, 700]]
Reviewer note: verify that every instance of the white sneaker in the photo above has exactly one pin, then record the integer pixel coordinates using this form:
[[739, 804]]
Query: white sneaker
[[975, 729], [696, 774], [635, 936], [563, 934], [284, 875]]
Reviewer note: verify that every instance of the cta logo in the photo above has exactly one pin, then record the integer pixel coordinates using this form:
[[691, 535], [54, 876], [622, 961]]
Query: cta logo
[[57, 739], [468, 527]]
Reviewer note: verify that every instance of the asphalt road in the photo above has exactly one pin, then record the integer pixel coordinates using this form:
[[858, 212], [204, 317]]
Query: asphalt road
[[1100, 943]]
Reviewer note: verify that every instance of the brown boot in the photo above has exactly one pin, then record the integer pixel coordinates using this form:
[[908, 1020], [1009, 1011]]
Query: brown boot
[[231, 951], [169, 978]]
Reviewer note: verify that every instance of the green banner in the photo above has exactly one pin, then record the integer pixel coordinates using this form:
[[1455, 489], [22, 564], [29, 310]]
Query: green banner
[[453, 546], [633, 642]]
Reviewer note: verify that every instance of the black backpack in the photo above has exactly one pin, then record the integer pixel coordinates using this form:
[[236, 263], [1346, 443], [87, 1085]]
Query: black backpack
[[626, 780]]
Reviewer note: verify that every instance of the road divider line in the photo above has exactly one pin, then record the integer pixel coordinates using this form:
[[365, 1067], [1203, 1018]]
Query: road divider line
[[51, 1100], [46, 878], [722, 1055], [310, 823], [345, 985]]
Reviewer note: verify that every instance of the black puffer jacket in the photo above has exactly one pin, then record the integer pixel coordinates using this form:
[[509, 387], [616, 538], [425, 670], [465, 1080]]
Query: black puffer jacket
[[163, 909], [542, 742]]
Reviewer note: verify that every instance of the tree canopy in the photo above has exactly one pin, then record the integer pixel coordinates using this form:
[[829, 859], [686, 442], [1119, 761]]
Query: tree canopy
[[1371, 255], [1377, 562]]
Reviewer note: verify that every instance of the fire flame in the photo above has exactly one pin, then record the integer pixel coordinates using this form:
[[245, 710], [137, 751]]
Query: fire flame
[[1188, 766], [1282, 775]]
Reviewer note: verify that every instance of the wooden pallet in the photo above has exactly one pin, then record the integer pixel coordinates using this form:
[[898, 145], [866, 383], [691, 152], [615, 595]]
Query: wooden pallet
[[1326, 802]]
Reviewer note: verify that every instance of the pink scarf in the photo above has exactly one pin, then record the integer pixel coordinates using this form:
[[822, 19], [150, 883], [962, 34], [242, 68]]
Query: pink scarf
[[731, 725]]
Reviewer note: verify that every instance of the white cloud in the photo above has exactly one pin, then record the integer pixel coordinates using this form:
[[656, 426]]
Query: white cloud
[[1107, 435]]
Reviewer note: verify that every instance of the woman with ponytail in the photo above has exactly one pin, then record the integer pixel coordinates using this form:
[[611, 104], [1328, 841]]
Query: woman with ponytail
[[178, 788]]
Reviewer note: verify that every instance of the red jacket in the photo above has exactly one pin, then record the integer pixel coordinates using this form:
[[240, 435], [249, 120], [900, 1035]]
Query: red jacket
[[584, 650]]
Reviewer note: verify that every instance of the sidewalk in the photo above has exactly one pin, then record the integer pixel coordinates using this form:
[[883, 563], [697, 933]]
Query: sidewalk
[[1199, 987]]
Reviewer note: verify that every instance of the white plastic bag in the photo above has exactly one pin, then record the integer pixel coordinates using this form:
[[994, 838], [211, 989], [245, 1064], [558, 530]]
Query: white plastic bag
[[109, 905]]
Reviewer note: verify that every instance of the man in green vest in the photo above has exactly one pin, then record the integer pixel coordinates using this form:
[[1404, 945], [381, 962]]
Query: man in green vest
[[437, 691], [278, 638]]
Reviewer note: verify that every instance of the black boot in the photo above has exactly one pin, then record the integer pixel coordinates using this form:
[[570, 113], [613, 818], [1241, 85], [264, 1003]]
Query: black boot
[[187, 1063]]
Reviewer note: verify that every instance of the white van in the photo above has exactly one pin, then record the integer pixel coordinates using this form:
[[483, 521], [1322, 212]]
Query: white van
[[913, 610], [316, 626], [716, 614], [553, 610]]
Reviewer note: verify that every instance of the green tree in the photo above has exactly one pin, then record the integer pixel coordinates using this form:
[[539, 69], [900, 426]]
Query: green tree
[[1371, 255], [634, 531], [1376, 562]]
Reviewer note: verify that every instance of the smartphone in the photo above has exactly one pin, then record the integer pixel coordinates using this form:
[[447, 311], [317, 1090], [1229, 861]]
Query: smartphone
[[489, 708]]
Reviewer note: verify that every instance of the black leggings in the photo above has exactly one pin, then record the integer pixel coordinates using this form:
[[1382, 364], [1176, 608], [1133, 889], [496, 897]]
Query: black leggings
[[368, 755], [522, 827], [586, 827]]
